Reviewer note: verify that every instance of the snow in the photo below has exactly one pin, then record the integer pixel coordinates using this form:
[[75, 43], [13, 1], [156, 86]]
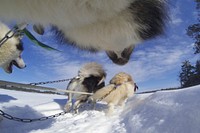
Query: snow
[[176, 111]]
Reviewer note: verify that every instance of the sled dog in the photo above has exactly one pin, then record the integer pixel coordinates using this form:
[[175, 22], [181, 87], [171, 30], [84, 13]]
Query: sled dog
[[121, 87], [10, 51], [113, 26], [90, 78]]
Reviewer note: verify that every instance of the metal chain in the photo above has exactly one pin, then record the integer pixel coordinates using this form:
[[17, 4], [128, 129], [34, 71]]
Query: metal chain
[[50, 82], [16, 30], [25, 120]]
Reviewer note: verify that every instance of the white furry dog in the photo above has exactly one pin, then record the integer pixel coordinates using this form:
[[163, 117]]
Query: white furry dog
[[121, 87], [10, 51], [90, 79], [114, 26]]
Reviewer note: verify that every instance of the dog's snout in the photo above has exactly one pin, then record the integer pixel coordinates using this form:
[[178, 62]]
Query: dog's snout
[[119, 60], [120, 57], [122, 61], [23, 66], [19, 63]]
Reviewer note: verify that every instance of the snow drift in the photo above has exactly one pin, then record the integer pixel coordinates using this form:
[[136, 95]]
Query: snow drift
[[176, 111]]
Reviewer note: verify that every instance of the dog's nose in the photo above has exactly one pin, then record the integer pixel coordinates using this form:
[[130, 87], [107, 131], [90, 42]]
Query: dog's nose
[[121, 57], [116, 59], [22, 67], [121, 61]]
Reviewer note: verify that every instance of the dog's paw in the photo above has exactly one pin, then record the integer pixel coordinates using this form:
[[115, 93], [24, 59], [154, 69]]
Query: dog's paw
[[90, 100], [68, 107]]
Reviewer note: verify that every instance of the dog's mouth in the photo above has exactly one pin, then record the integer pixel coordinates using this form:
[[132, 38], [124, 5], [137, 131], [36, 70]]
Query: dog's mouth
[[9, 67], [120, 57], [17, 65]]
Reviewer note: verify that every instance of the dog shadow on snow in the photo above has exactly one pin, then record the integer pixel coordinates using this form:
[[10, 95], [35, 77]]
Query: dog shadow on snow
[[26, 112], [6, 98], [84, 107], [89, 106]]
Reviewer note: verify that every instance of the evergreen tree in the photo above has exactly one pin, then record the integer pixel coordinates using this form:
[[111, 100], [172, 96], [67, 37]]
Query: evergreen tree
[[197, 72], [197, 67], [194, 30], [189, 75], [186, 74]]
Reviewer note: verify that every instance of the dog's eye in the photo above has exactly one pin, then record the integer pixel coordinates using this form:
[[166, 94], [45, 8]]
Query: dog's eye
[[20, 46]]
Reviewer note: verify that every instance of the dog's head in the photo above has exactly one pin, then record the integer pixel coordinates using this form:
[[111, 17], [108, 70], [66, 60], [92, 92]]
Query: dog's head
[[90, 78], [10, 54], [93, 76], [16, 59], [121, 78], [10, 51]]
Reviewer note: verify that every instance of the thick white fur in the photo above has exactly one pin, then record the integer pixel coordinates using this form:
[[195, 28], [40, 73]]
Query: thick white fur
[[91, 68], [102, 24], [115, 96], [9, 51]]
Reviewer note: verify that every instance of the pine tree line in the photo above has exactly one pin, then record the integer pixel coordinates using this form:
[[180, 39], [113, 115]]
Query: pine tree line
[[189, 75], [194, 30]]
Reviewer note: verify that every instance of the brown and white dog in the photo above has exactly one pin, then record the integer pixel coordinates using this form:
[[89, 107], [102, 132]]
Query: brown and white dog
[[90, 79], [10, 51], [121, 87], [113, 26]]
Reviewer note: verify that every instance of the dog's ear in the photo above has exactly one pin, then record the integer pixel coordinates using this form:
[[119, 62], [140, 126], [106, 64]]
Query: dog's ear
[[112, 81], [38, 28], [130, 79], [117, 79]]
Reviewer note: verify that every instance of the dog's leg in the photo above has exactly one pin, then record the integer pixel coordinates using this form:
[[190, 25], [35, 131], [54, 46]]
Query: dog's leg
[[76, 106], [68, 105], [93, 102], [121, 102], [110, 109], [94, 105]]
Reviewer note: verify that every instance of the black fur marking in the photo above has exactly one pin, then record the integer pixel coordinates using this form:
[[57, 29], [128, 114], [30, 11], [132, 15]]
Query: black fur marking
[[20, 46], [91, 83], [38, 28], [150, 15], [62, 38], [117, 60]]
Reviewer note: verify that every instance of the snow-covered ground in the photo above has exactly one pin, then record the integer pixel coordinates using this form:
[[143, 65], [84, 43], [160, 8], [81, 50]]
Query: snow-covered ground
[[176, 111]]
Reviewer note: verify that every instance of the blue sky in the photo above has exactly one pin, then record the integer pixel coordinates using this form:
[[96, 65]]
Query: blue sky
[[155, 64]]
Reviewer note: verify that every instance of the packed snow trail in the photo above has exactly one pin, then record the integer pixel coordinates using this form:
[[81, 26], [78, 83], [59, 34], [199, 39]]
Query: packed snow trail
[[161, 112]]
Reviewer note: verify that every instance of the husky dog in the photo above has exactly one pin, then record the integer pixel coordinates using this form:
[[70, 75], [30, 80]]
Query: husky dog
[[121, 87], [114, 26], [10, 51], [90, 78]]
